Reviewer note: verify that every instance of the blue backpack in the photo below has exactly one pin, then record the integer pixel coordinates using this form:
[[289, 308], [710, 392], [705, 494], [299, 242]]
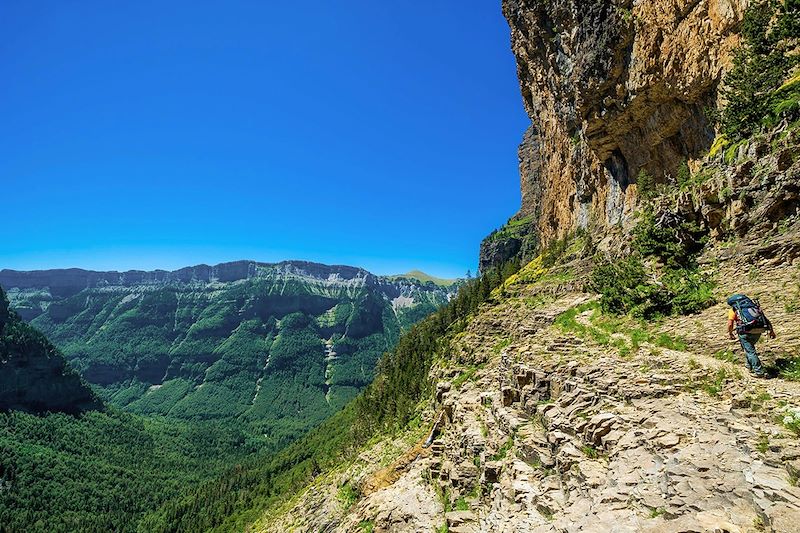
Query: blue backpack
[[750, 317]]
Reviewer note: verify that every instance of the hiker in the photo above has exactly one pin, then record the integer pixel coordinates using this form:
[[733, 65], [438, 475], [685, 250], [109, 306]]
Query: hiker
[[749, 322]]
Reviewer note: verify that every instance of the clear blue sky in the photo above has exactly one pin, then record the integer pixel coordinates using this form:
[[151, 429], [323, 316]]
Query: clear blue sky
[[159, 134]]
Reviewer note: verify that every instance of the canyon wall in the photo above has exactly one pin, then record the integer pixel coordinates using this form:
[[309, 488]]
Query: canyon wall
[[613, 88]]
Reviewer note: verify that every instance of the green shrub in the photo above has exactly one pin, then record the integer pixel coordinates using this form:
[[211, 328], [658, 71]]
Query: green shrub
[[683, 176], [646, 185], [627, 286], [554, 251], [669, 238], [691, 291], [347, 495]]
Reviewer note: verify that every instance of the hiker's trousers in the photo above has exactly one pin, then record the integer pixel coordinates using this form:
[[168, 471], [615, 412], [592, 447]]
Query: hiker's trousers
[[748, 342]]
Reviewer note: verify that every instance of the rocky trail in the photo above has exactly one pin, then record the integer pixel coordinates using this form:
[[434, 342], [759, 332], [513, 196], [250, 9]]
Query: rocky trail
[[550, 426]]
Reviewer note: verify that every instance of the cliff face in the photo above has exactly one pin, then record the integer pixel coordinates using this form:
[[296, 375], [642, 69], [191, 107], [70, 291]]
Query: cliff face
[[64, 282], [612, 88]]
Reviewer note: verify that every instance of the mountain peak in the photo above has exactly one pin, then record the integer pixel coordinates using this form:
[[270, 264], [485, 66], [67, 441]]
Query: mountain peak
[[424, 277]]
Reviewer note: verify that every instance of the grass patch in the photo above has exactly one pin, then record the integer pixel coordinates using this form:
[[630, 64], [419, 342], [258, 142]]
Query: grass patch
[[726, 355], [564, 275], [757, 403], [762, 445], [590, 452], [789, 369], [664, 340], [463, 377], [500, 345], [713, 385], [503, 451], [347, 495], [567, 320], [514, 228], [608, 329], [638, 336]]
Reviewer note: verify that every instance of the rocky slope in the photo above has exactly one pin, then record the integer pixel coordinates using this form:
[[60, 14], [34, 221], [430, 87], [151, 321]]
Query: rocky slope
[[280, 345], [550, 416], [612, 88], [33, 375]]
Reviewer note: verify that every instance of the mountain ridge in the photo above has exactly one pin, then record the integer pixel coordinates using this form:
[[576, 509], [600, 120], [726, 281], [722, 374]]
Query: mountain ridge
[[241, 339], [225, 271]]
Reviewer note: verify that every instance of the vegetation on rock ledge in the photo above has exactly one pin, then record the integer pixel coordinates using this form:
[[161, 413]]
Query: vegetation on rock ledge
[[661, 277], [759, 90]]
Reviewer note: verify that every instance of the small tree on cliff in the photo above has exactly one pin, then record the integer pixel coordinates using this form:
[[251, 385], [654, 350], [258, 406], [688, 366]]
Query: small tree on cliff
[[760, 65]]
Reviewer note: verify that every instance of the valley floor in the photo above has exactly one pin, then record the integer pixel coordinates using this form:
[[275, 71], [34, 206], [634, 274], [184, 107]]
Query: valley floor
[[557, 418]]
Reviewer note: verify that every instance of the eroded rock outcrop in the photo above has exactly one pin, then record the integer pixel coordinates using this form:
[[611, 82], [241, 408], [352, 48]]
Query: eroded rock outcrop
[[545, 427], [612, 88]]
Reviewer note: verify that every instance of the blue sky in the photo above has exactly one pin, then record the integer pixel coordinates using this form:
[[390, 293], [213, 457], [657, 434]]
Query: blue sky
[[158, 134]]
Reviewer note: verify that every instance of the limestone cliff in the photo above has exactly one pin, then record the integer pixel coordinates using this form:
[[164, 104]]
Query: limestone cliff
[[612, 88]]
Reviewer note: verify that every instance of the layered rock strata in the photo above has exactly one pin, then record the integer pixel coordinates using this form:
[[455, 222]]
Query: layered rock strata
[[558, 430], [613, 88]]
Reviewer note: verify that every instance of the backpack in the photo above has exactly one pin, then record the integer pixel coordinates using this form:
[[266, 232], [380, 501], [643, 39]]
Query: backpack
[[750, 317]]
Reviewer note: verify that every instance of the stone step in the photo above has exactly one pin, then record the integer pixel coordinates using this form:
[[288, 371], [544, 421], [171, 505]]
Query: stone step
[[459, 518], [466, 528]]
